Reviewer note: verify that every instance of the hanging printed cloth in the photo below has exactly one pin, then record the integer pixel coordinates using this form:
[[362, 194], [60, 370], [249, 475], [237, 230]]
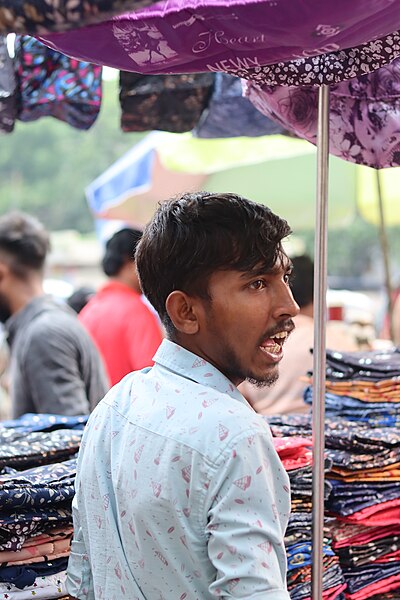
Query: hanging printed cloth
[[38, 16], [52, 84], [8, 107], [165, 102], [230, 114], [364, 115]]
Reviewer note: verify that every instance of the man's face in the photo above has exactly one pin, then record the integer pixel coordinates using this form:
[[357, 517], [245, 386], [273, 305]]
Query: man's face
[[244, 326]]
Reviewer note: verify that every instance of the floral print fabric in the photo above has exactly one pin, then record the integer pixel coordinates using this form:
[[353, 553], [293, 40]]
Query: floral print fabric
[[150, 102], [45, 587], [364, 115], [21, 450], [38, 16], [41, 486], [328, 68]]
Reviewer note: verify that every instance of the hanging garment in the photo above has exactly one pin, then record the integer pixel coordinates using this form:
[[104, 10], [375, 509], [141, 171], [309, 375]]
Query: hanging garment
[[364, 115], [8, 108], [52, 84], [37, 16], [328, 68], [230, 114], [165, 102], [241, 37]]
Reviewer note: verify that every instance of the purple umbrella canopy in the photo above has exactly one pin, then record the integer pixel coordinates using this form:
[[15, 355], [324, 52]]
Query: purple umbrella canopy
[[364, 115], [242, 37]]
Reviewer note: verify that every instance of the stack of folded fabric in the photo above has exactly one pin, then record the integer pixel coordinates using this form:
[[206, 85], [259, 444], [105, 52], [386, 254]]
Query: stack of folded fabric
[[296, 456], [36, 489], [363, 387], [365, 500]]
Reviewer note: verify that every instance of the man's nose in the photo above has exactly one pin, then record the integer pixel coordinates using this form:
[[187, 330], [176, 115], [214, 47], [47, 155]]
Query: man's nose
[[286, 306]]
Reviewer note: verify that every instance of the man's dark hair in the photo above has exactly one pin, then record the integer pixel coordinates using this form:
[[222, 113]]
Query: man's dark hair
[[192, 236], [24, 242], [120, 248], [80, 297], [302, 282]]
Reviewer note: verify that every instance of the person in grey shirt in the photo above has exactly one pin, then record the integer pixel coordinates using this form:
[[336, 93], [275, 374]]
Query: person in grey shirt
[[54, 365]]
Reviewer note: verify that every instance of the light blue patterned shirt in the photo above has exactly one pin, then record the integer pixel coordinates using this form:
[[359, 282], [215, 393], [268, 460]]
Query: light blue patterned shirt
[[180, 494]]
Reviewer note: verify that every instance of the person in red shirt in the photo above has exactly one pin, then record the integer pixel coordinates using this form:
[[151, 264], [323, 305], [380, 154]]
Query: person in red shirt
[[125, 330]]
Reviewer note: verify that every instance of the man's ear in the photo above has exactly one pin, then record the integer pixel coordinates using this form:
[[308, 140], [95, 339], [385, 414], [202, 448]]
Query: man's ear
[[182, 311]]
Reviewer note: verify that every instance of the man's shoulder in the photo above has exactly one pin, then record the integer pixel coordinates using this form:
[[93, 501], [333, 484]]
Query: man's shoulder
[[53, 322]]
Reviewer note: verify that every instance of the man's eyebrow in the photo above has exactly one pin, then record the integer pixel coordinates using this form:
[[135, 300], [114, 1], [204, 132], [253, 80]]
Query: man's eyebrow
[[260, 271]]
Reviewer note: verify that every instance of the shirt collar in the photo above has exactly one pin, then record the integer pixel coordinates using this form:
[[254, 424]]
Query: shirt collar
[[182, 361]]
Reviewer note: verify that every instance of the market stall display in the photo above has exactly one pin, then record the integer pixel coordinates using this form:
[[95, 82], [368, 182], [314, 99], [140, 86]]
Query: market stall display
[[37, 476]]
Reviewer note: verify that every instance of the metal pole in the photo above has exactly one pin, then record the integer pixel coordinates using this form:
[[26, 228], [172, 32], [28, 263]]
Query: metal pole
[[320, 286], [385, 254]]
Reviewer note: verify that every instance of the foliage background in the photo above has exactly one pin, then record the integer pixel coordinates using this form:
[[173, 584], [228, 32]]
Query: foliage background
[[46, 165]]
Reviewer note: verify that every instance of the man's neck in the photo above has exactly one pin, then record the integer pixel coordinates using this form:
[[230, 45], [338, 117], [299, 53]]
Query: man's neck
[[25, 292]]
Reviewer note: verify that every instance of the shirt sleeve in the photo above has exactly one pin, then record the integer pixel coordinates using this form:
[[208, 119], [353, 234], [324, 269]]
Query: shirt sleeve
[[144, 337], [246, 521], [79, 574], [53, 376]]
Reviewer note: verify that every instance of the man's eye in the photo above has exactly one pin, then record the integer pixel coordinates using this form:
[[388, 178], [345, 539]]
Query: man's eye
[[258, 285]]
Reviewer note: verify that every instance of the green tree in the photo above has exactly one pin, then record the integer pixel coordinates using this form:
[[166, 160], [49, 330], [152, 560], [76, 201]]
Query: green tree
[[46, 165]]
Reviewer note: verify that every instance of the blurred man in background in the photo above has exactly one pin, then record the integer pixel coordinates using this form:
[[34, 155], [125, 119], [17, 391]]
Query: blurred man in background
[[54, 365], [125, 330]]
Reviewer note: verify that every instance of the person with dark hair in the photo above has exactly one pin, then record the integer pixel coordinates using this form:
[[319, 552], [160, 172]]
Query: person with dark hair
[[126, 332], [80, 297], [180, 492], [54, 365], [287, 395]]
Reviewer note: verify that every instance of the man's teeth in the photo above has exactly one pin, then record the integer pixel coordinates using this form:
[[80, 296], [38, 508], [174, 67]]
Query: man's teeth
[[282, 335], [273, 349]]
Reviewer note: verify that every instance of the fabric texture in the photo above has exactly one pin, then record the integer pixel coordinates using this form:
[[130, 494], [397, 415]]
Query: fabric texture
[[45, 587], [243, 37], [364, 115], [37, 16], [230, 114], [52, 84], [184, 505], [126, 332], [30, 422], [8, 84], [150, 102], [55, 367]]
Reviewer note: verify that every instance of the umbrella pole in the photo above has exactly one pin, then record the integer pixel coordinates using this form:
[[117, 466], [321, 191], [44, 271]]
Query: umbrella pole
[[385, 254], [320, 286]]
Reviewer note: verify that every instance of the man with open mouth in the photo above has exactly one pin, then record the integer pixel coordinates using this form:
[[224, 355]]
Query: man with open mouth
[[180, 493]]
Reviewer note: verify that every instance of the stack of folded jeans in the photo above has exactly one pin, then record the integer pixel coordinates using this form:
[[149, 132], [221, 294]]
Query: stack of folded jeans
[[363, 387], [296, 455], [38, 467]]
